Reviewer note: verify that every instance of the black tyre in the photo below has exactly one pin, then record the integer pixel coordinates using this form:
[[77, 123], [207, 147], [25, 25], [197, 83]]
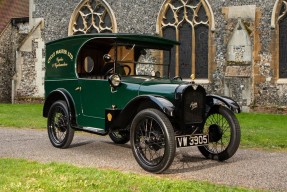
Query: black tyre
[[224, 134], [152, 140], [120, 137], [59, 130]]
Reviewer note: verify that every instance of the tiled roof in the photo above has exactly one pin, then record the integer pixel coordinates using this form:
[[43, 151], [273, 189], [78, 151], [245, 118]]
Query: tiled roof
[[12, 9]]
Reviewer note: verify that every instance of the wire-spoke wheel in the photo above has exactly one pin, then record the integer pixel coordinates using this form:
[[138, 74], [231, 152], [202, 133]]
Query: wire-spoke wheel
[[59, 130], [152, 140], [224, 134]]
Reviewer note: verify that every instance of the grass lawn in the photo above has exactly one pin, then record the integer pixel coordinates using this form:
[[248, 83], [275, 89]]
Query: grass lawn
[[22, 116], [266, 131], [23, 175]]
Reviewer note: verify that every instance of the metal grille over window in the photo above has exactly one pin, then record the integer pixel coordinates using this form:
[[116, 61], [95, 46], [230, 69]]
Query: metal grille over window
[[92, 16], [282, 20], [187, 21]]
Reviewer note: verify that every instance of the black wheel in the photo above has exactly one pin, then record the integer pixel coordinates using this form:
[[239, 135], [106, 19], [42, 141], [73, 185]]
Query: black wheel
[[59, 130], [120, 137], [152, 140], [224, 134]]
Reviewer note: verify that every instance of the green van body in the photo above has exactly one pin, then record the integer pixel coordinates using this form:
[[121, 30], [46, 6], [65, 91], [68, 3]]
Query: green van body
[[110, 83]]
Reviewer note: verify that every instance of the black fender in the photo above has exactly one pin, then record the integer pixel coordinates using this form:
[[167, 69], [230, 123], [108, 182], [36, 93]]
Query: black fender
[[219, 100], [60, 94], [139, 103]]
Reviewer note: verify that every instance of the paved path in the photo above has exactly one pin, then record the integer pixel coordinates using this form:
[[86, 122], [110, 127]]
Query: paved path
[[248, 168]]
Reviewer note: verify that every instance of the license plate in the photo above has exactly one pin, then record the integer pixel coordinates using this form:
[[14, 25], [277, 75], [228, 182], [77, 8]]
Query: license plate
[[191, 140]]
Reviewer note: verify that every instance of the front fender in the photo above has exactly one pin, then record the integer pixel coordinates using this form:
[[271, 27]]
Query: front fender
[[227, 101], [139, 103]]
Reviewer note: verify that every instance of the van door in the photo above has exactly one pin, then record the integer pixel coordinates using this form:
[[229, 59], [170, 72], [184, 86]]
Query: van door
[[95, 98], [95, 93]]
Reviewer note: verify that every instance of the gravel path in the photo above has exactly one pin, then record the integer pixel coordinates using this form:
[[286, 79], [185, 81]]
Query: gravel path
[[248, 168]]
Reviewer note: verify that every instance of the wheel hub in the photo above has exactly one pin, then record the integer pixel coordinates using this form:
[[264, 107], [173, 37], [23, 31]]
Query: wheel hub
[[153, 141], [61, 125], [215, 133]]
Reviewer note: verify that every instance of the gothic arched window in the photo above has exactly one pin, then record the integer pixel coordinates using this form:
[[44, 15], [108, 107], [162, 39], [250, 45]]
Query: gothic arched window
[[187, 21], [92, 16], [282, 22]]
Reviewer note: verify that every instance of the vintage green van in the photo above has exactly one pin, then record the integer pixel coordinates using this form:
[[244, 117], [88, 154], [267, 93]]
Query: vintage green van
[[119, 85]]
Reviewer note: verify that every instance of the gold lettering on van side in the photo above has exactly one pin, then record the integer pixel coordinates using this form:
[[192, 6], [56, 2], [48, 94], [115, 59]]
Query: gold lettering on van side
[[59, 63], [58, 52], [51, 57]]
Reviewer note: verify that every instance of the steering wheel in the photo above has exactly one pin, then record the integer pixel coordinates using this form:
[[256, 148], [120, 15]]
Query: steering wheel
[[177, 78], [128, 67], [121, 72]]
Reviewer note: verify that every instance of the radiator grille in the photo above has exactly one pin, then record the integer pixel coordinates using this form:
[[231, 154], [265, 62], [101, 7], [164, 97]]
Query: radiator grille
[[194, 105]]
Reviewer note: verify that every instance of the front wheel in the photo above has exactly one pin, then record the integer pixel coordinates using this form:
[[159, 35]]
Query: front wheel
[[224, 134], [59, 130], [152, 140]]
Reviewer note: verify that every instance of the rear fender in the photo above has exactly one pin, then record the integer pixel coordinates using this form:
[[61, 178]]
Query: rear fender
[[223, 100], [59, 94]]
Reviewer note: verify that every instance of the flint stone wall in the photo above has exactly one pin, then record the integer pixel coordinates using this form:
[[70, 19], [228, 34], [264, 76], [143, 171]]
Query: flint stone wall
[[5, 66], [27, 86], [9, 41]]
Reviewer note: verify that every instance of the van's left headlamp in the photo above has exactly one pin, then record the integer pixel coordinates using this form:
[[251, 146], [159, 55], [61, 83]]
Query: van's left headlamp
[[115, 80]]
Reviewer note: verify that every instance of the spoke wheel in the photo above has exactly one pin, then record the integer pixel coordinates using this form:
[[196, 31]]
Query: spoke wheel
[[59, 130], [152, 140], [224, 134], [119, 137]]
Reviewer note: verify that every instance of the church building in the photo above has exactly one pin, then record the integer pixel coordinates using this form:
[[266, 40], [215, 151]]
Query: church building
[[236, 48]]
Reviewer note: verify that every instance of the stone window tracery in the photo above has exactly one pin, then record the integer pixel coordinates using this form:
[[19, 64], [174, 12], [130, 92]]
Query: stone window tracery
[[92, 16], [187, 21]]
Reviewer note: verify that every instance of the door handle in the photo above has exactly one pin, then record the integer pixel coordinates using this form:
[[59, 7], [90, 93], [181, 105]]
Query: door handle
[[78, 89]]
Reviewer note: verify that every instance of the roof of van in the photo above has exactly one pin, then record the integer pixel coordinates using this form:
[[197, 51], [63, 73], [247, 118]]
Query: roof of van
[[126, 37]]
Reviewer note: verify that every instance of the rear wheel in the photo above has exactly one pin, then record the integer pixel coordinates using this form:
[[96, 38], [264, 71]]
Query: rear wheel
[[59, 130], [224, 134], [152, 140]]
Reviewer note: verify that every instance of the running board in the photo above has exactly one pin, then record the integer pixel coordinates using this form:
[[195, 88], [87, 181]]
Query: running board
[[95, 130]]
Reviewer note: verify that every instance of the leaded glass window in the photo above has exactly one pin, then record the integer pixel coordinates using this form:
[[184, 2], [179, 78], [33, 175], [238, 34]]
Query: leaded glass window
[[187, 21], [282, 20], [92, 16]]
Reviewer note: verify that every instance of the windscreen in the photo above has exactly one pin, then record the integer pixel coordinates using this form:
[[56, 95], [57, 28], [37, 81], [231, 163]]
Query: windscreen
[[143, 61]]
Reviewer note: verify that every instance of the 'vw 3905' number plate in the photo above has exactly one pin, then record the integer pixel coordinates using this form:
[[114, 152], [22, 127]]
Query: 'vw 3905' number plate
[[191, 140]]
